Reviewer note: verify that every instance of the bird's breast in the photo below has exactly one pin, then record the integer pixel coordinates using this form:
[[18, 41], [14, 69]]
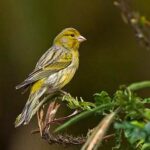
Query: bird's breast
[[63, 77]]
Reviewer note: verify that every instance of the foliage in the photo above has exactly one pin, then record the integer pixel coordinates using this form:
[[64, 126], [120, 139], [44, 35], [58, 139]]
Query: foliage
[[129, 114], [75, 103]]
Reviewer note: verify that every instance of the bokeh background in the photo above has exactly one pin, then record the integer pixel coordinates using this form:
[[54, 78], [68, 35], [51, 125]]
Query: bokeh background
[[109, 57]]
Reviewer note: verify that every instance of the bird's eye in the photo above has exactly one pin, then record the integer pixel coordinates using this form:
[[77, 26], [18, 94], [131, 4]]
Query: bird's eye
[[72, 35]]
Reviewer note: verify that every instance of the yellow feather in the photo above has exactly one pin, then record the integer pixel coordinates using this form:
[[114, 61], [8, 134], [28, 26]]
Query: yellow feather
[[37, 85]]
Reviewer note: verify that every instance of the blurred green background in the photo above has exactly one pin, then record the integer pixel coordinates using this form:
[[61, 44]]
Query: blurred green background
[[109, 57]]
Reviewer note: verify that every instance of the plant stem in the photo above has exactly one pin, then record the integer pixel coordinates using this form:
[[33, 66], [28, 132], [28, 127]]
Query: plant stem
[[81, 116], [139, 85]]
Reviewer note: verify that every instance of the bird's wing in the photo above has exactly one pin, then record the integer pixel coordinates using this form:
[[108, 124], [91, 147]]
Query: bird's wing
[[52, 61]]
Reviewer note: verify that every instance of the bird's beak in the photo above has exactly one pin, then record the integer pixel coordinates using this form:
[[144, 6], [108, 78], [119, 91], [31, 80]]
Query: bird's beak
[[81, 38]]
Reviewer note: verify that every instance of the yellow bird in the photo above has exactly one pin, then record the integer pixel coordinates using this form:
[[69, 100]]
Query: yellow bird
[[52, 72]]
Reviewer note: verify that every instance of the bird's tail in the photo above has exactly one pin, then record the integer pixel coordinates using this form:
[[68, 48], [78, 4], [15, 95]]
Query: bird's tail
[[31, 107]]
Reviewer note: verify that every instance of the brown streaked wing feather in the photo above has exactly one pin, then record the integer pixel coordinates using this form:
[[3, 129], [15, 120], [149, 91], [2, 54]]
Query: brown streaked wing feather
[[49, 64]]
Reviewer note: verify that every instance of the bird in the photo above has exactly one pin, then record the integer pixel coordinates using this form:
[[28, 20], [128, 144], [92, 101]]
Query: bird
[[52, 72]]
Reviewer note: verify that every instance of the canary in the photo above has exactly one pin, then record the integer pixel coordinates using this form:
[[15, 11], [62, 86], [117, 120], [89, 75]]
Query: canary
[[52, 72]]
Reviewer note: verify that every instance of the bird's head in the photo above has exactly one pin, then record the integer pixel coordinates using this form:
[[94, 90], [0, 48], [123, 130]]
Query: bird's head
[[69, 38]]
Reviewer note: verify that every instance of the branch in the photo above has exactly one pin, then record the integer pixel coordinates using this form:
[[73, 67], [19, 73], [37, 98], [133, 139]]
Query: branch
[[65, 139], [69, 139], [139, 24]]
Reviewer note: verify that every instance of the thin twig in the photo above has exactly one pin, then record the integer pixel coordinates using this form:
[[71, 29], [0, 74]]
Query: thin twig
[[40, 115], [55, 121], [58, 120], [139, 24], [108, 136]]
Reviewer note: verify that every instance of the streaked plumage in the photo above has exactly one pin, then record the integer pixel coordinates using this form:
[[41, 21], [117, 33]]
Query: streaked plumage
[[52, 72]]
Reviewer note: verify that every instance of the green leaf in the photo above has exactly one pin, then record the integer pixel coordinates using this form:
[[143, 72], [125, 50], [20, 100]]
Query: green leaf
[[147, 129], [146, 100], [146, 146], [75, 103], [146, 113], [102, 98], [137, 124], [134, 131]]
